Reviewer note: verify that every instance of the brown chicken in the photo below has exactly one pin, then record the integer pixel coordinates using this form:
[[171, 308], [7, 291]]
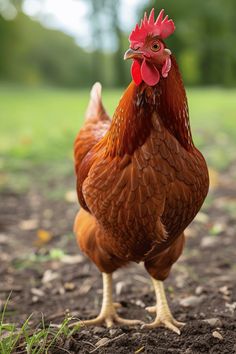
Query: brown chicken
[[140, 179]]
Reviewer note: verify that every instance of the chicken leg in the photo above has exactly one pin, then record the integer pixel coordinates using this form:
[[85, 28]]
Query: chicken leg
[[163, 313], [108, 313]]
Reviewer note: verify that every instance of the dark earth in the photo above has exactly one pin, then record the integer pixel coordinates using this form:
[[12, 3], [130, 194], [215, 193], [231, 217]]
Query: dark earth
[[49, 277]]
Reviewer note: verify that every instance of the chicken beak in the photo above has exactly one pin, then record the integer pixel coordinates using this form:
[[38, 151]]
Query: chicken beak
[[167, 51], [133, 54]]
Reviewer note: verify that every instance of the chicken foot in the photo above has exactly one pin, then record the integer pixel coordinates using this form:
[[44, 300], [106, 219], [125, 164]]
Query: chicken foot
[[108, 314], [163, 313]]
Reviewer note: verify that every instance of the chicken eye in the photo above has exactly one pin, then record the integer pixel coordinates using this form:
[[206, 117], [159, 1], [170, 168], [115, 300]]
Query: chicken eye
[[155, 47]]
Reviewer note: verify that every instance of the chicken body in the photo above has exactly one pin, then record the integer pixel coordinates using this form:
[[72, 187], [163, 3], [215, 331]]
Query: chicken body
[[140, 180]]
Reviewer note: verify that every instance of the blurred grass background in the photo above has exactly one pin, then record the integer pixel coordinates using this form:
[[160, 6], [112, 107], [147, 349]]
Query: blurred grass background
[[45, 75], [42, 123]]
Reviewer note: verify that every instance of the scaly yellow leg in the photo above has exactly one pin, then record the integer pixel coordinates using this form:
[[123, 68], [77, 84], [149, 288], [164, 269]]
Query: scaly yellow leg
[[108, 313], [163, 313]]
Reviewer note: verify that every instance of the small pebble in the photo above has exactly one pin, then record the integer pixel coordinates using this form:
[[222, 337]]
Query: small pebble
[[214, 322], [231, 307], [180, 281], [114, 332], [199, 290], [188, 351], [102, 341], [140, 303], [224, 290], [217, 334], [3, 238], [98, 330], [35, 299], [209, 241], [192, 301], [37, 292], [202, 315]]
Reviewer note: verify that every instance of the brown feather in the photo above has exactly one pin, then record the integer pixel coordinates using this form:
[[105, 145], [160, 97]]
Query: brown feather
[[142, 180]]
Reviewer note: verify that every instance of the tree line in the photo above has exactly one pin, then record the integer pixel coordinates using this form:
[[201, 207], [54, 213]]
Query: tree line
[[203, 44]]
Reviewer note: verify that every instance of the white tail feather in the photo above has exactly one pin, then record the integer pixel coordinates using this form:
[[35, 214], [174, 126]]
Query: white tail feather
[[95, 103]]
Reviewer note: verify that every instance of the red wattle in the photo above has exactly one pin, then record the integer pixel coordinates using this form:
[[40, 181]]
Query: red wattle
[[136, 72], [149, 73]]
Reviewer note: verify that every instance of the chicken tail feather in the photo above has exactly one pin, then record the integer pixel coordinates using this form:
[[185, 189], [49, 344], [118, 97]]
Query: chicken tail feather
[[95, 107]]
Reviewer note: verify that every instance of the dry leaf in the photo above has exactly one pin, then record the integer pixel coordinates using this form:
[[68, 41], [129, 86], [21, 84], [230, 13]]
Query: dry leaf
[[44, 237]]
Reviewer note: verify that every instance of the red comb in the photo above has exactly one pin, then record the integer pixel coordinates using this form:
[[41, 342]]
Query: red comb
[[161, 27]]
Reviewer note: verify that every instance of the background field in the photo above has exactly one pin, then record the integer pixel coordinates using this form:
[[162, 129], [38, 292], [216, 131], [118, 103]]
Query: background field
[[39, 125]]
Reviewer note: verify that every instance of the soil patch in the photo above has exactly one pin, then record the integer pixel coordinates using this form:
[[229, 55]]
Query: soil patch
[[42, 266]]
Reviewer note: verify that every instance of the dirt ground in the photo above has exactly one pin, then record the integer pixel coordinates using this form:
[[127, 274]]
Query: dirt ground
[[41, 264]]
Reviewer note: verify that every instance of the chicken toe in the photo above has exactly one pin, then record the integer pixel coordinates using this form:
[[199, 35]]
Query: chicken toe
[[163, 313], [166, 321], [151, 309], [108, 314], [109, 317]]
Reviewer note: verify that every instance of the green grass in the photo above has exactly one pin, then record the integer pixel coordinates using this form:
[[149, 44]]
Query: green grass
[[39, 125], [30, 339], [213, 109], [36, 340], [42, 123]]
